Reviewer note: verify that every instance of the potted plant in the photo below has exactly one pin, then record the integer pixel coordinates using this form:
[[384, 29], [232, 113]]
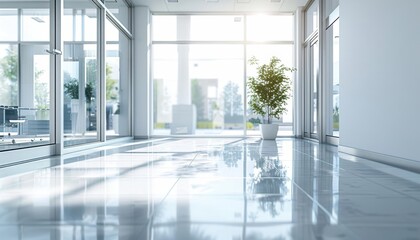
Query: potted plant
[[71, 88], [115, 119], [268, 93]]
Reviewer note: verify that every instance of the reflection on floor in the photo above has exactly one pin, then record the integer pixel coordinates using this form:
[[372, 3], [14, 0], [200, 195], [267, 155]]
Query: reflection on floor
[[209, 189]]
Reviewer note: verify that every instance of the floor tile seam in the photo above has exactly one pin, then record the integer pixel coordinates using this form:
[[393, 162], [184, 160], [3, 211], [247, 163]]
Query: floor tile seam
[[326, 212], [112, 151], [249, 196], [161, 152], [116, 176], [318, 159], [177, 179], [61, 223], [354, 173], [151, 217], [382, 224], [192, 160], [226, 223], [388, 188], [118, 148], [313, 200], [235, 142]]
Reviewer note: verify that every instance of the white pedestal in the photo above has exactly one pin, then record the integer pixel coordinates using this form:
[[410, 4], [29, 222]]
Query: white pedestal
[[184, 119]]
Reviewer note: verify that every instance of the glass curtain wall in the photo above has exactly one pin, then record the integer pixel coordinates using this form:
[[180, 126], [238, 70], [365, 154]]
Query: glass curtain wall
[[333, 41], [200, 70], [80, 72], [25, 66], [117, 84], [257, 38], [24, 75], [311, 77], [82, 107], [314, 86], [321, 95], [120, 10]]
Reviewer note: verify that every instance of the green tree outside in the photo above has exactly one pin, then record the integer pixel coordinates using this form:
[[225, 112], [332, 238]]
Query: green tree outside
[[9, 93], [232, 100], [197, 99]]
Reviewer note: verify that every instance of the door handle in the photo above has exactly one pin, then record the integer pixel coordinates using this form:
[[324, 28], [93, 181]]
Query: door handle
[[54, 52]]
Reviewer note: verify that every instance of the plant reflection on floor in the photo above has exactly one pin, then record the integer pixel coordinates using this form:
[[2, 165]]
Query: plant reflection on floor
[[268, 182], [181, 231], [232, 154]]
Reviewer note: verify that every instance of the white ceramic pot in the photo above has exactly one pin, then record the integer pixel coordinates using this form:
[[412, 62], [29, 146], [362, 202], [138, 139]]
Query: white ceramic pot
[[74, 105], [269, 131], [268, 148]]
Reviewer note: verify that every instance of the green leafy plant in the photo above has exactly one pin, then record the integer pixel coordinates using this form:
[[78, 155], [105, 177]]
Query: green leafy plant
[[9, 85], [269, 91], [118, 109], [111, 85], [71, 88]]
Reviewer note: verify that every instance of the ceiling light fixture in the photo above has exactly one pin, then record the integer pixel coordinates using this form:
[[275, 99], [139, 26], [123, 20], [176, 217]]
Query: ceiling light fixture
[[38, 19], [172, 1], [237, 19]]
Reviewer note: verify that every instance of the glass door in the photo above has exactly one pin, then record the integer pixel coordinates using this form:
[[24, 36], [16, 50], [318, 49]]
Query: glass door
[[25, 81], [333, 43], [80, 73], [311, 89], [314, 89], [117, 82]]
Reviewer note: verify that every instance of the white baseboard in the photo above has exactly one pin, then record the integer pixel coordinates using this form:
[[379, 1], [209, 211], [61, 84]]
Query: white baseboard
[[406, 164]]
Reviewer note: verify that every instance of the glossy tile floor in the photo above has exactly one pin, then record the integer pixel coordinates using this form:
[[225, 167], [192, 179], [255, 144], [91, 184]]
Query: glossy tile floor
[[209, 189]]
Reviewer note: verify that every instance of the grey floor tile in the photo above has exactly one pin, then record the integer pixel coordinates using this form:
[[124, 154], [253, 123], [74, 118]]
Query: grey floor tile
[[208, 188]]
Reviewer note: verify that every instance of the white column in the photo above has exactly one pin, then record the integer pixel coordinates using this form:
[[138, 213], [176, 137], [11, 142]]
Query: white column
[[298, 118], [124, 87], [27, 80], [141, 66], [183, 113], [184, 83]]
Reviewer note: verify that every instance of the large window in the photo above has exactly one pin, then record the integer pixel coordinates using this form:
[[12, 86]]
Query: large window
[[9, 24], [264, 52], [80, 73], [312, 90], [117, 84], [83, 108], [200, 71], [311, 18], [121, 11], [30, 69], [260, 28], [24, 77], [333, 41], [214, 84]]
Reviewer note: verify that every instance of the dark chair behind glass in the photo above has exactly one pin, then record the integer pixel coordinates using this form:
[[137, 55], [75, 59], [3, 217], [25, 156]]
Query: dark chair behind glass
[[11, 113]]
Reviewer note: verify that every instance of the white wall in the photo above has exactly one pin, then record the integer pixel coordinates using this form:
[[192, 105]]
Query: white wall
[[380, 76], [141, 65]]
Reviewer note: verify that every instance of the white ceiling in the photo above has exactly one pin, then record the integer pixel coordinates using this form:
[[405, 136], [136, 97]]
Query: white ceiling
[[221, 6]]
